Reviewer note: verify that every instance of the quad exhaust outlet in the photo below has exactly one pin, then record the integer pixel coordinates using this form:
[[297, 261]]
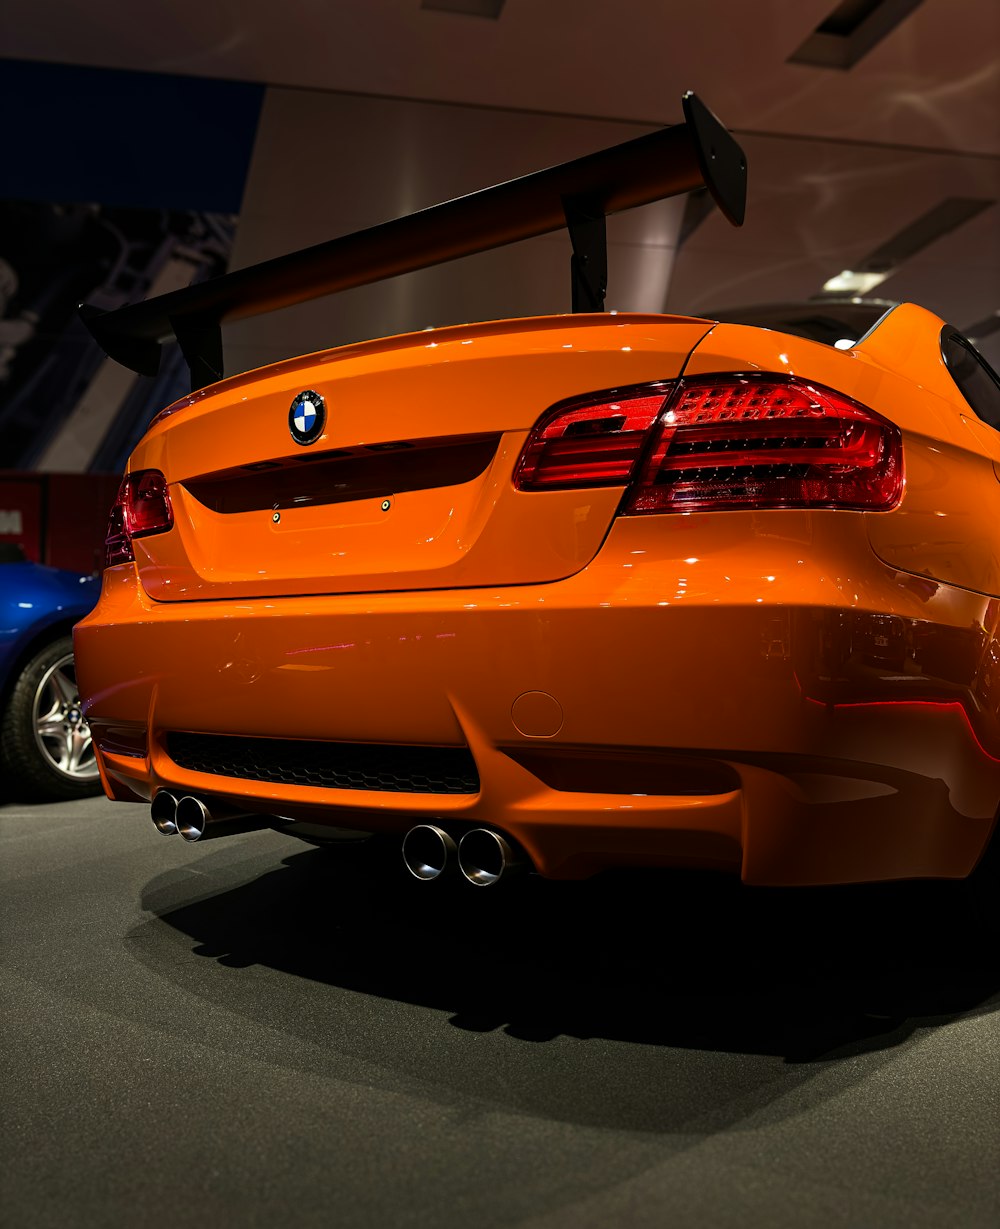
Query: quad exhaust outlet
[[482, 856], [191, 817], [428, 852], [163, 813]]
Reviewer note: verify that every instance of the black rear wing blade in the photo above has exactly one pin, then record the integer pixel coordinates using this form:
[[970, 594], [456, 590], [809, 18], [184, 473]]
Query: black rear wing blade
[[577, 195]]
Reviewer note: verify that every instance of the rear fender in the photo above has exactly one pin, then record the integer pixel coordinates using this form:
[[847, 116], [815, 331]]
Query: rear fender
[[941, 528]]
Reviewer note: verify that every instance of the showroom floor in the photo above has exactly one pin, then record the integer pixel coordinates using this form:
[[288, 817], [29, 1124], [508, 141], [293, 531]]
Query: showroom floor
[[254, 1032]]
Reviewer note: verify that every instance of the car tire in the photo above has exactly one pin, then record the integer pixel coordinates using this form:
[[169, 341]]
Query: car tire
[[46, 747]]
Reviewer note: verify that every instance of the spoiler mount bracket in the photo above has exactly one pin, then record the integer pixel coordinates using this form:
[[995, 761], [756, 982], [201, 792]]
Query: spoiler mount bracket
[[588, 233]]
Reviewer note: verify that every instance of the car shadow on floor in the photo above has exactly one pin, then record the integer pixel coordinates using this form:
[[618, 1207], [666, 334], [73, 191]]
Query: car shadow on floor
[[672, 959]]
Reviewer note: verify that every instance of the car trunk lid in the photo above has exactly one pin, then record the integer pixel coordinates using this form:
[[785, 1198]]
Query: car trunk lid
[[408, 485]]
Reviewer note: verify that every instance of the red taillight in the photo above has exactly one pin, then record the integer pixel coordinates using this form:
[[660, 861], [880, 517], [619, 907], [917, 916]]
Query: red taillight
[[142, 507], [720, 442], [589, 443], [727, 442]]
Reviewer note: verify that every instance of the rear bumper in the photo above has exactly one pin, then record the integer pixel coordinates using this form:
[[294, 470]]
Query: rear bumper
[[810, 715]]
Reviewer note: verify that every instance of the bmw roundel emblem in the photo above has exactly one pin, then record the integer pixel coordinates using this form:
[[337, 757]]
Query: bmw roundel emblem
[[307, 417]]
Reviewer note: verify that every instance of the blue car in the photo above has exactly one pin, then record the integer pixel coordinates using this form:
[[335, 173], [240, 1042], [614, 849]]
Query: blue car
[[45, 746]]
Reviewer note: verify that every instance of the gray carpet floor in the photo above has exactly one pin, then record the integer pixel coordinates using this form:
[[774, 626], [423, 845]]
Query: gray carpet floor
[[253, 1032]]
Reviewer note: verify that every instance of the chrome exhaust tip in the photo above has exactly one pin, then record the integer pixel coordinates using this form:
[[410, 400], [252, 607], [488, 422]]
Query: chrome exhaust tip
[[484, 856], [428, 851], [163, 812], [195, 822], [192, 818]]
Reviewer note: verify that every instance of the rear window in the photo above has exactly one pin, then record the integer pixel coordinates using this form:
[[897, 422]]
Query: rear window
[[978, 383]]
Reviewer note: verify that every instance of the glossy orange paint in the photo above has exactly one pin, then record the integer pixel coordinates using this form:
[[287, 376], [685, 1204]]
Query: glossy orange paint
[[800, 697]]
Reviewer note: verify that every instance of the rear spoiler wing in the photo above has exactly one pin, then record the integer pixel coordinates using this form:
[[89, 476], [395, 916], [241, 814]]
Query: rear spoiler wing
[[577, 195]]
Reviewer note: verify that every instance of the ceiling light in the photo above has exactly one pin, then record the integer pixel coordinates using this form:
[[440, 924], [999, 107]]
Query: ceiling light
[[850, 31], [470, 8], [849, 282], [947, 215]]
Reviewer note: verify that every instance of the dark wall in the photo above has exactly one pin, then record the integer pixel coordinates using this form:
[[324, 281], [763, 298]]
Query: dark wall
[[122, 138], [113, 185]]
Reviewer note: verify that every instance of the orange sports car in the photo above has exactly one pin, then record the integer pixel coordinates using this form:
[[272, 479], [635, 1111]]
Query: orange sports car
[[571, 592]]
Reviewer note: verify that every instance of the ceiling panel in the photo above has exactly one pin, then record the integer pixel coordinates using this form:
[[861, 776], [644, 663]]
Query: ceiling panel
[[935, 81]]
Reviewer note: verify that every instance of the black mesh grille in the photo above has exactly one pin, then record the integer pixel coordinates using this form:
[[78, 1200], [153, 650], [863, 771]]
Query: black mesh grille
[[408, 770]]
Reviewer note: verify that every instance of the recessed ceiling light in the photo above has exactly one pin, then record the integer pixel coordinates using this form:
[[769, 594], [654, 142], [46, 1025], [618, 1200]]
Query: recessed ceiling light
[[850, 31], [948, 215], [849, 282], [470, 8]]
